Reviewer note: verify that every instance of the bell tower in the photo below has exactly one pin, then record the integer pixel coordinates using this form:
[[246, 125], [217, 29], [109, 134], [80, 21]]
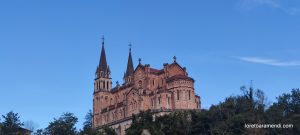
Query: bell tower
[[103, 79]]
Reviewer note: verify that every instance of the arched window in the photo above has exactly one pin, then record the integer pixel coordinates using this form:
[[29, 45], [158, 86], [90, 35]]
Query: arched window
[[189, 95], [177, 94], [159, 100], [99, 87], [107, 85], [152, 102], [140, 83]]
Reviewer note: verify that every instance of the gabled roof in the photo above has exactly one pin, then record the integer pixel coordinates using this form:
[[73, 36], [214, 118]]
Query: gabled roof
[[176, 64], [179, 77], [156, 71]]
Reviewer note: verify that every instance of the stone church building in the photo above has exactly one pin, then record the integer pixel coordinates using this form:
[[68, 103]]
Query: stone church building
[[160, 90]]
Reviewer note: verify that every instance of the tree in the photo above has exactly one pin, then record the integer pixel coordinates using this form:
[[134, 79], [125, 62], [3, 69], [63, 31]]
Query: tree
[[175, 123], [11, 124], [39, 132], [64, 125], [88, 120], [141, 121], [87, 125], [107, 131], [30, 125], [0, 127], [286, 111]]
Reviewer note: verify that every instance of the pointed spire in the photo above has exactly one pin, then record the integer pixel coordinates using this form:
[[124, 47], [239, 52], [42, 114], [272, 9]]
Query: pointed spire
[[103, 69], [130, 69], [108, 69], [103, 63]]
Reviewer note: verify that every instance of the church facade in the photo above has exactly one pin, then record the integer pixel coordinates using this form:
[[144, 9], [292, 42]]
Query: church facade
[[160, 90]]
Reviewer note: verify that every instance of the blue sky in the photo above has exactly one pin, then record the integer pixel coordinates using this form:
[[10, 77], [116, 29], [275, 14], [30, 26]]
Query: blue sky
[[49, 50]]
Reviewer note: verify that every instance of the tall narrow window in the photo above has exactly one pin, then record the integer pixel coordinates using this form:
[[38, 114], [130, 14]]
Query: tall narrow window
[[124, 112], [107, 85], [177, 94], [103, 85], [152, 102], [168, 101], [159, 100], [189, 95]]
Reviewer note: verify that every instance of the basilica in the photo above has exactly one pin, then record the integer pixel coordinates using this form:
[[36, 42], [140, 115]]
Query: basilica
[[160, 90]]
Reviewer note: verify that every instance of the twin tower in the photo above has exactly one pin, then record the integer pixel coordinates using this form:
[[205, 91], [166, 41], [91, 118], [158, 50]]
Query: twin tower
[[103, 80]]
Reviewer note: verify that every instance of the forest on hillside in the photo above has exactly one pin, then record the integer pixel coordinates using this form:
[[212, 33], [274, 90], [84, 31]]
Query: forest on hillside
[[246, 113]]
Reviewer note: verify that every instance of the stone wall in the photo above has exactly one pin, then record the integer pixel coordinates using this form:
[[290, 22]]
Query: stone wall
[[167, 89]]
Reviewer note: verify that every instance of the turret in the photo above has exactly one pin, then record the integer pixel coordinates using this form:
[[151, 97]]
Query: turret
[[103, 80], [128, 75]]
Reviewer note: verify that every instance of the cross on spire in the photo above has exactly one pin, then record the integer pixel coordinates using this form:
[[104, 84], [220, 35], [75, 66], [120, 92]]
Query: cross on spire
[[103, 69], [130, 46], [174, 58], [140, 61], [102, 39]]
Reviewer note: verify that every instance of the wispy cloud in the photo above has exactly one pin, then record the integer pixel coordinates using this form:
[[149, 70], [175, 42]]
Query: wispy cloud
[[250, 4], [293, 11], [276, 4], [272, 62]]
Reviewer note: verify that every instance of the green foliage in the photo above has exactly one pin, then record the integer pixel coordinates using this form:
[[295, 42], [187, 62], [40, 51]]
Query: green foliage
[[141, 121], [88, 120], [228, 117], [87, 125], [11, 124], [285, 111], [89, 130], [0, 127], [107, 131], [64, 125], [39, 132], [177, 123]]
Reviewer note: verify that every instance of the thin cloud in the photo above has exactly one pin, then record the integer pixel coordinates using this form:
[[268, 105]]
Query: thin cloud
[[293, 11], [271, 62], [250, 4], [276, 4]]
